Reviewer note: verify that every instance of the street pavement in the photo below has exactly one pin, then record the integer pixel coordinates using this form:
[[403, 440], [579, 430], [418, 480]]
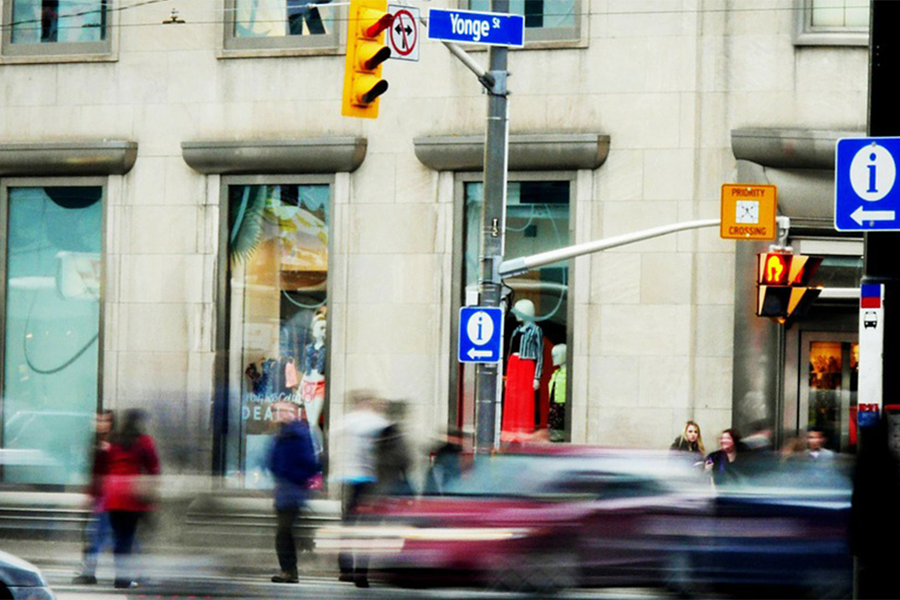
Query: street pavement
[[237, 588]]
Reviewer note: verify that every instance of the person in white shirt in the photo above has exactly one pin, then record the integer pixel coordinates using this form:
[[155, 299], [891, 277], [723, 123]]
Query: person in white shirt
[[815, 445]]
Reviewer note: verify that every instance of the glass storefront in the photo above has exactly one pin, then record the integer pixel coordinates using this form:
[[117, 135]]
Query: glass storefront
[[832, 389], [51, 352], [278, 236], [535, 394]]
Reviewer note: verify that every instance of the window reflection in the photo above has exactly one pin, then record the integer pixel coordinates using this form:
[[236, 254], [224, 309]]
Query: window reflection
[[537, 220], [833, 380], [538, 13], [58, 21], [278, 248], [277, 18], [51, 330]]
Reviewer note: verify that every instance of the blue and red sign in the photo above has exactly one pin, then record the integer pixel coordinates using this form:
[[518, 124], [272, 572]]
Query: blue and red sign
[[870, 295]]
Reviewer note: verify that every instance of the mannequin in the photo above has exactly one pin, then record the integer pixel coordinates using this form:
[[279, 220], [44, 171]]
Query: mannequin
[[557, 420], [523, 371], [312, 380]]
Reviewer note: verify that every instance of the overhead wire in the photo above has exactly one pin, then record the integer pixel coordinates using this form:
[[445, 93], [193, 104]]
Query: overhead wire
[[337, 19]]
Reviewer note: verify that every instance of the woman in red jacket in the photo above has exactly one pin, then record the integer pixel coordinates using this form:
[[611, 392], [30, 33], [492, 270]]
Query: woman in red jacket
[[130, 483]]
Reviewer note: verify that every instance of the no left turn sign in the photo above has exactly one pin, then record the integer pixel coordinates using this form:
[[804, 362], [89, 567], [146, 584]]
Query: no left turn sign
[[404, 32]]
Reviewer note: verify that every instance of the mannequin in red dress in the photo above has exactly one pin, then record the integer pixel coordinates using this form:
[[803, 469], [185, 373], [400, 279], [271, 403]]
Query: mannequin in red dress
[[523, 371]]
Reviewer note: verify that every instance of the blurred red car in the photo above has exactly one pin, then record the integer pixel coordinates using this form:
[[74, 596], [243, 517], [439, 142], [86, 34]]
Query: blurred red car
[[542, 520]]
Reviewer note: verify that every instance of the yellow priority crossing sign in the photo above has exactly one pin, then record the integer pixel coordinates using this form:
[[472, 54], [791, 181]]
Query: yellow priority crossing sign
[[748, 212]]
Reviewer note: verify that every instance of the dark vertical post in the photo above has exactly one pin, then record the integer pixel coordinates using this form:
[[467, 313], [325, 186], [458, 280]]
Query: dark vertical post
[[493, 221], [876, 489]]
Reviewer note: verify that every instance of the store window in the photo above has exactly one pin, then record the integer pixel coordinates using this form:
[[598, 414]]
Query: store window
[[281, 24], [537, 327], [832, 388], [51, 290], [278, 248], [56, 27], [545, 20], [833, 22]]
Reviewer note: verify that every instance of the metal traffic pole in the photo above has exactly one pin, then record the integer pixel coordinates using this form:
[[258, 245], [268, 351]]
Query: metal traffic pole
[[493, 222], [876, 492]]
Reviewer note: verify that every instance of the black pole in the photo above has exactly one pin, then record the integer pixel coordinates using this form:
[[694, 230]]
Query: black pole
[[876, 489]]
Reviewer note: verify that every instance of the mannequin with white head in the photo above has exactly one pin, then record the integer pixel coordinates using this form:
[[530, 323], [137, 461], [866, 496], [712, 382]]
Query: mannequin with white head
[[559, 355], [524, 311], [556, 420], [523, 372]]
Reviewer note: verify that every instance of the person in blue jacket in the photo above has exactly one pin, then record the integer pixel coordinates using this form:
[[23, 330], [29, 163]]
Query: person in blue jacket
[[292, 462]]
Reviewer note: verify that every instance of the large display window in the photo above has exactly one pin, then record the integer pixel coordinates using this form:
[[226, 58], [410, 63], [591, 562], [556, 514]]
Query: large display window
[[535, 395], [51, 298], [278, 255]]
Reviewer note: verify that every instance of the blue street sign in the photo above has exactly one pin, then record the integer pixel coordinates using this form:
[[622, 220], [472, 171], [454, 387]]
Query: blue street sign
[[469, 27], [480, 334], [866, 194]]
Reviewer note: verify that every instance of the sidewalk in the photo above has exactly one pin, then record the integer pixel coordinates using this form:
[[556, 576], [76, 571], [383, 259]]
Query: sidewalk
[[60, 561], [194, 534]]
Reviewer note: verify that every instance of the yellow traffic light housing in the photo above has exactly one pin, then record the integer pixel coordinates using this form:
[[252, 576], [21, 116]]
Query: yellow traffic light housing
[[365, 54], [783, 288]]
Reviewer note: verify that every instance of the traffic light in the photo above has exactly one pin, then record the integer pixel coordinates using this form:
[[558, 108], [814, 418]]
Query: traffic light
[[365, 52], [783, 284]]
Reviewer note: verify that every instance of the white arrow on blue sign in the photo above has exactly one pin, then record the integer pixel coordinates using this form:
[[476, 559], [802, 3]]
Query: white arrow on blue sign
[[866, 194], [470, 27], [480, 334]]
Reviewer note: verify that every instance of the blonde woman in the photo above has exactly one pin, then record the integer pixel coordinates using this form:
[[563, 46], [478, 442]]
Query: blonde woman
[[690, 440]]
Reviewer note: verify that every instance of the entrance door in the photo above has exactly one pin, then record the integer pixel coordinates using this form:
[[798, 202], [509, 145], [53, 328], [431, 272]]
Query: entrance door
[[828, 387]]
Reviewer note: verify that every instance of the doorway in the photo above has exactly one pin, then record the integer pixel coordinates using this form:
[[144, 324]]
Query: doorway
[[829, 376]]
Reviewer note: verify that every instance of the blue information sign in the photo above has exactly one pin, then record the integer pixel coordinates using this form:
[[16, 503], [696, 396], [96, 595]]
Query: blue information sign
[[866, 190], [469, 27], [480, 334]]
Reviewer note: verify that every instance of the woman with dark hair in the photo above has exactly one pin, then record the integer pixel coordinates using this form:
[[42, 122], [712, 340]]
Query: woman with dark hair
[[722, 463], [132, 468]]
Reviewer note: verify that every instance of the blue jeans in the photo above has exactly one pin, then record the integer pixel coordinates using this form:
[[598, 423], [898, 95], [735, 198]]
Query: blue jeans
[[98, 536]]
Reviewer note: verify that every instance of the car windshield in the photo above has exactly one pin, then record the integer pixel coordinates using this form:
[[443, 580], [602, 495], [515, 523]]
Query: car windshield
[[576, 476], [510, 476]]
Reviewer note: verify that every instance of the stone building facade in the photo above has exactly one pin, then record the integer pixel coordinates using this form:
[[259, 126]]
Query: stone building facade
[[623, 116]]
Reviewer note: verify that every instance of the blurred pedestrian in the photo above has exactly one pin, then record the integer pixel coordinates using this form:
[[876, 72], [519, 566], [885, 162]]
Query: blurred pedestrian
[[446, 463], [761, 438], [793, 448], [362, 427], [690, 440], [131, 489], [815, 445], [293, 463], [98, 532], [722, 463], [393, 460]]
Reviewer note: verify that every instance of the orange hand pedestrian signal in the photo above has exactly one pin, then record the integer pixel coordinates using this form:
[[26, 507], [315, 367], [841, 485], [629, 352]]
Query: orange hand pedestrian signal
[[783, 285], [776, 272]]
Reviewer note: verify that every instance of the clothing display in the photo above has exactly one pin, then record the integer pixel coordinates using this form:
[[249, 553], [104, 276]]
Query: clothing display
[[558, 386], [290, 375], [311, 390], [557, 419], [528, 342], [524, 367], [313, 359], [518, 404]]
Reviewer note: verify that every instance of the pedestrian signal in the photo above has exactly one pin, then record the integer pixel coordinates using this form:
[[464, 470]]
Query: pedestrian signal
[[365, 54], [783, 290]]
